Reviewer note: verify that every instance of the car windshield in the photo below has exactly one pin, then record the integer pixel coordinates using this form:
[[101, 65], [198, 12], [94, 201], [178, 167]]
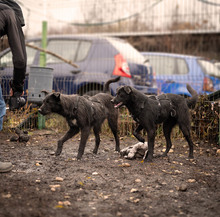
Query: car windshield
[[74, 50], [165, 65], [128, 52], [6, 60], [210, 68]]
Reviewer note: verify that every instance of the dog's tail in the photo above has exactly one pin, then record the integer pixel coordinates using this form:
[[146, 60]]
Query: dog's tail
[[106, 86], [191, 102]]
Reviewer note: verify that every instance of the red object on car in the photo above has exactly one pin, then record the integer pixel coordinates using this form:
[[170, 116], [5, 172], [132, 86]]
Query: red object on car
[[121, 67]]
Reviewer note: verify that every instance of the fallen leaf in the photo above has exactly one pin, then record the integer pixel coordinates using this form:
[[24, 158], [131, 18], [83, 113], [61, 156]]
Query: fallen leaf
[[125, 165], [6, 195], [59, 206], [60, 179], [81, 183], [133, 190], [64, 203], [137, 180], [178, 172], [54, 186], [136, 200], [191, 180]]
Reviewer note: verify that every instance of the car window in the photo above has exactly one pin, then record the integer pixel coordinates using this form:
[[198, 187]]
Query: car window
[[6, 60], [128, 52], [67, 49], [209, 68], [83, 50], [164, 65]]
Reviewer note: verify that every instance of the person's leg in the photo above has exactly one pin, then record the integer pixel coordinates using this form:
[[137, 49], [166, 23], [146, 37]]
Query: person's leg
[[2, 109], [4, 166]]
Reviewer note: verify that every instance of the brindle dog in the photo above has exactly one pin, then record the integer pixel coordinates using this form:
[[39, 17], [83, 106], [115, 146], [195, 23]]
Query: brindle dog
[[148, 112], [83, 113]]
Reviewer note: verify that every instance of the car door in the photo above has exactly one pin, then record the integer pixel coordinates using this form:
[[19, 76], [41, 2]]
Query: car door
[[172, 73]]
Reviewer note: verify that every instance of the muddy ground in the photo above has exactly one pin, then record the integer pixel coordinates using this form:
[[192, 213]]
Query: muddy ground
[[106, 185]]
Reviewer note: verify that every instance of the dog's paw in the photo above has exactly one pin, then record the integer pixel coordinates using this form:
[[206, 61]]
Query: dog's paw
[[118, 150], [95, 151], [58, 152], [79, 157], [190, 157], [148, 160]]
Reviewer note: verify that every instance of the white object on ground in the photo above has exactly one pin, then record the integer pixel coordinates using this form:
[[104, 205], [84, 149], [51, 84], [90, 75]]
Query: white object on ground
[[136, 151]]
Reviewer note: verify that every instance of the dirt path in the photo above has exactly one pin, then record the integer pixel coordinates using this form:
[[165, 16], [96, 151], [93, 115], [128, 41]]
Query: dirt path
[[106, 185]]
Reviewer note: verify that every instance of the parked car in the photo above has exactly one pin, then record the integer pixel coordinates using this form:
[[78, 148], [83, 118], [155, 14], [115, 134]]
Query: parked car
[[174, 71], [99, 59]]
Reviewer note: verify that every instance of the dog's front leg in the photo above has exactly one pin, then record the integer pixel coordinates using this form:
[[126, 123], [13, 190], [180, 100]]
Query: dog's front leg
[[84, 137], [137, 135], [70, 133], [151, 138]]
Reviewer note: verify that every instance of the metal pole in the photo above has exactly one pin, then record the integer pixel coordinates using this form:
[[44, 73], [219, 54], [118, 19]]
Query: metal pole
[[41, 118]]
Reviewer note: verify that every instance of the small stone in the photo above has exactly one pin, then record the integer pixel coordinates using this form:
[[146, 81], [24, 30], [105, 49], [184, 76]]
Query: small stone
[[137, 180], [182, 187]]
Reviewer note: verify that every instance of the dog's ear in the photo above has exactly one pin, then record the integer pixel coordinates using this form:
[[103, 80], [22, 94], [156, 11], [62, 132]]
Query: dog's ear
[[57, 95], [45, 92], [127, 89]]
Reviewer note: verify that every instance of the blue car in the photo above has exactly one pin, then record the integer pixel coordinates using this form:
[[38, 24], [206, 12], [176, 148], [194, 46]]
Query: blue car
[[99, 59], [174, 71]]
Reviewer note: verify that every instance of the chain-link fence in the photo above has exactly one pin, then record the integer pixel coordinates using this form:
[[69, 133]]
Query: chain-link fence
[[161, 30]]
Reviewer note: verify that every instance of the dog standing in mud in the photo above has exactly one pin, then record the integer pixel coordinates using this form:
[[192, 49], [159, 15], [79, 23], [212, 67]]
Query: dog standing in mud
[[169, 109], [83, 113]]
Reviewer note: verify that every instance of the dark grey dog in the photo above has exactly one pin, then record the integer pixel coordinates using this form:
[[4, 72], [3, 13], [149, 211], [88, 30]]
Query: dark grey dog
[[169, 109], [83, 113]]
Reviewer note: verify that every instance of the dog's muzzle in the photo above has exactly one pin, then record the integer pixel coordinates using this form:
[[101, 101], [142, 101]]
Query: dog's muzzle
[[118, 105], [40, 111]]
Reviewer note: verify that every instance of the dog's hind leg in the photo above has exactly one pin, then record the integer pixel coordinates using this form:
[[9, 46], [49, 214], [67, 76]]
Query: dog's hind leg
[[85, 131], [167, 129], [113, 124], [185, 128], [70, 133], [137, 135], [96, 130]]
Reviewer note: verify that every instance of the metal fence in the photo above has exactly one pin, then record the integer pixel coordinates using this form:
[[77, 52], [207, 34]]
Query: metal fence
[[171, 26], [205, 121]]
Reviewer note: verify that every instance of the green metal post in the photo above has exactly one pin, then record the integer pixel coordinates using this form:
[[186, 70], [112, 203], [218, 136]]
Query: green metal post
[[41, 118]]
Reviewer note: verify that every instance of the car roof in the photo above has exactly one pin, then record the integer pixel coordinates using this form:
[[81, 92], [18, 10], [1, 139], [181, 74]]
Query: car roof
[[174, 55]]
